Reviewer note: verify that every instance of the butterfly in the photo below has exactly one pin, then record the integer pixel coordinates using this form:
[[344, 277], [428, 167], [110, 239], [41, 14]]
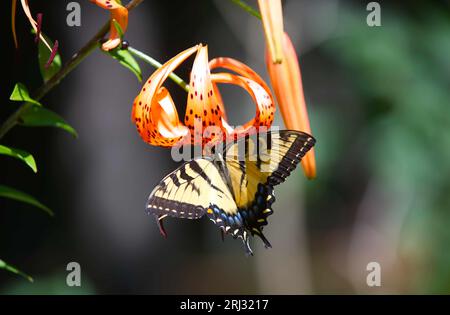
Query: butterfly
[[234, 186]]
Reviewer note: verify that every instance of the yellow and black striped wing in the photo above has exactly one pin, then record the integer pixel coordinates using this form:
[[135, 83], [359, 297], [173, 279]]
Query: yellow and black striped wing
[[189, 191], [265, 158]]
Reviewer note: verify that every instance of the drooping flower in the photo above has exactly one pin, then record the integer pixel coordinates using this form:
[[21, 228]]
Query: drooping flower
[[287, 83], [156, 117], [285, 76], [119, 15]]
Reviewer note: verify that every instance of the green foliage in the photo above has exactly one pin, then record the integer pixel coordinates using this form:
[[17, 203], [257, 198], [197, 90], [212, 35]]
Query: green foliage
[[50, 284], [127, 60], [400, 72], [118, 28], [21, 155], [36, 115], [20, 94], [33, 115], [41, 117], [11, 193], [43, 57], [4, 265]]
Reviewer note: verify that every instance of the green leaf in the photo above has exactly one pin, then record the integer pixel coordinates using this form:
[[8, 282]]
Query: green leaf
[[36, 116], [118, 28], [20, 94], [43, 57], [127, 60], [4, 265], [11, 193], [21, 155]]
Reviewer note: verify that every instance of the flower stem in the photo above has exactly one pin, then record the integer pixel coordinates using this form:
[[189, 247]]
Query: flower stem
[[247, 8], [157, 64], [84, 52]]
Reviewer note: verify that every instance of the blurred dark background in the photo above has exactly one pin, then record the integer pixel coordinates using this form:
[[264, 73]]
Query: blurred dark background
[[379, 103]]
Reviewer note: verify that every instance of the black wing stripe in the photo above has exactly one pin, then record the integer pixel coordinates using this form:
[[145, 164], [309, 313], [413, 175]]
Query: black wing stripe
[[184, 175], [291, 159], [160, 206], [197, 168], [243, 170], [175, 179], [163, 186]]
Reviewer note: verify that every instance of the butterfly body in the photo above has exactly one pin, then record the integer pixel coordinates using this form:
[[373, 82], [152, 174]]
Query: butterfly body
[[235, 188]]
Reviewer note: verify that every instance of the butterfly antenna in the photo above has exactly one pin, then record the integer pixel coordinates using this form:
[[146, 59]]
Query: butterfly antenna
[[159, 221]]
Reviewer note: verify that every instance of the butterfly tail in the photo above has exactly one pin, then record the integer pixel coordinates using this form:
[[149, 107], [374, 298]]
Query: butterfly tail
[[159, 222]]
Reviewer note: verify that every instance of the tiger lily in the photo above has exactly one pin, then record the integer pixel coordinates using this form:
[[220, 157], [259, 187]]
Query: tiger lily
[[285, 77], [119, 15], [156, 117]]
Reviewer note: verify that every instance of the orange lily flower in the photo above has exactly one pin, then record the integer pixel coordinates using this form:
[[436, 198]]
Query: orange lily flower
[[287, 83], [285, 76], [156, 117], [119, 14]]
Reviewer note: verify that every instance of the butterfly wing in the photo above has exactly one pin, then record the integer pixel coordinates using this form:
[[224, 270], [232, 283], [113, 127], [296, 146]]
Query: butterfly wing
[[189, 191], [254, 165], [236, 191], [266, 159]]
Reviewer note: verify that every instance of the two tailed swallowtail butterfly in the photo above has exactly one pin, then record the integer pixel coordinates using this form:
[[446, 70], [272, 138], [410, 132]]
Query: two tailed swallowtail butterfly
[[234, 186]]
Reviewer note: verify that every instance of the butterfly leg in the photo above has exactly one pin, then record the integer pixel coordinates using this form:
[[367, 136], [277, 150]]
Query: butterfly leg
[[159, 221]]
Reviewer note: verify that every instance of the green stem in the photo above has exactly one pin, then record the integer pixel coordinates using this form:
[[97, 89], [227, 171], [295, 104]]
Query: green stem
[[247, 8], [157, 64], [4, 265], [84, 52]]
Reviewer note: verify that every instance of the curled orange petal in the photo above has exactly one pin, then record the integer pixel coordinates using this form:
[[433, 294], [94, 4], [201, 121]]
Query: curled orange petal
[[203, 106], [154, 112], [287, 84], [238, 67], [119, 14], [205, 121], [253, 84], [272, 18]]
